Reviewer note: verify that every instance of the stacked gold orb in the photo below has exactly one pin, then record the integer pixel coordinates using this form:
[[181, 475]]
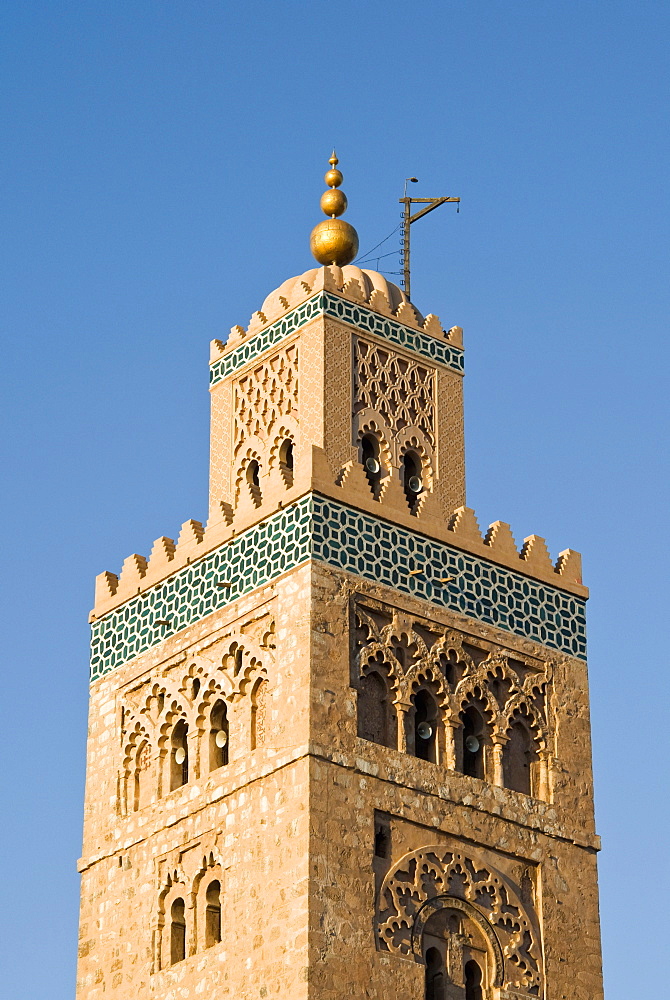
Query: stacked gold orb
[[334, 241]]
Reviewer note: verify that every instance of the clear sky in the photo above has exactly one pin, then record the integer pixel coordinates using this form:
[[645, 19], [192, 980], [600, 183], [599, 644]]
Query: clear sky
[[161, 169]]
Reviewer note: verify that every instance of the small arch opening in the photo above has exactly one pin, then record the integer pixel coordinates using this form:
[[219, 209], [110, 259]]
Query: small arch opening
[[435, 975], [472, 742], [412, 479], [218, 736], [286, 461], [286, 454], [376, 718], [370, 458], [213, 914], [179, 755], [425, 726], [254, 474], [519, 756], [473, 980], [177, 931]]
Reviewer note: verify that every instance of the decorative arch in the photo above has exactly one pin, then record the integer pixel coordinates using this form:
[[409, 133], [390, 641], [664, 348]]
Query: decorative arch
[[287, 432], [471, 911], [413, 440], [243, 486], [137, 760], [448, 874]]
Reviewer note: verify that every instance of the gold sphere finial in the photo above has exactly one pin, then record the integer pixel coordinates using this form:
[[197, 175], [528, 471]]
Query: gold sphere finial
[[334, 241]]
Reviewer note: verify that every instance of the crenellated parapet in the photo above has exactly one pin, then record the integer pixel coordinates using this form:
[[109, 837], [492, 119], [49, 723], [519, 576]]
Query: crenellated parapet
[[367, 288], [327, 518]]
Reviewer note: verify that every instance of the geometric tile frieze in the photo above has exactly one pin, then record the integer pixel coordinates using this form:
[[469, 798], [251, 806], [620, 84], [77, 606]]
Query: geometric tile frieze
[[248, 561], [357, 543], [324, 303], [448, 577]]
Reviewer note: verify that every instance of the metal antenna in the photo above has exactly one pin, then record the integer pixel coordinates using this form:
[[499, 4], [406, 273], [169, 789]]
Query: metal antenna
[[408, 219]]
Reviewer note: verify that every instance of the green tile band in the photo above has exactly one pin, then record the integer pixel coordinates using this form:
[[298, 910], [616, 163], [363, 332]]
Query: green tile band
[[323, 303], [366, 546]]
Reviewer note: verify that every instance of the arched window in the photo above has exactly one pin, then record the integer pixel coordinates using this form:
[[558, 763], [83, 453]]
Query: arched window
[[411, 479], [286, 461], [213, 914], [519, 756], [218, 736], [472, 746], [435, 975], [259, 714], [376, 718], [179, 755], [426, 715], [177, 931], [253, 478], [141, 777], [473, 981], [371, 463]]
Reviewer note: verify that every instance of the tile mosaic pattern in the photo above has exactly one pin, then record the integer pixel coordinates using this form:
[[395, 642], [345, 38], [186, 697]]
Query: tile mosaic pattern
[[422, 343], [358, 543], [324, 303], [251, 348], [384, 553], [249, 561]]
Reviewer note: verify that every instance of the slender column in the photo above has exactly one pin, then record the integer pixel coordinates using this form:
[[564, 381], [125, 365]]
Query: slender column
[[193, 745], [544, 776], [405, 739], [450, 727], [497, 750]]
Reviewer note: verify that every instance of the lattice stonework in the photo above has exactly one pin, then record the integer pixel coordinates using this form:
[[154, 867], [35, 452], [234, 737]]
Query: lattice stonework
[[434, 877], [401, 391], [357, 543], [325, 304], [265, 395]]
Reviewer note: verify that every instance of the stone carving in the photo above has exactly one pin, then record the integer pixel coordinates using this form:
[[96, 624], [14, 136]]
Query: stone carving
[[436, 877], [227, 671], [265, 396], [417, 653], [398, 394]]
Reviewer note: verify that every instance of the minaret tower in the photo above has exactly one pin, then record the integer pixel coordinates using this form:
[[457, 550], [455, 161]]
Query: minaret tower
[[339, 738]]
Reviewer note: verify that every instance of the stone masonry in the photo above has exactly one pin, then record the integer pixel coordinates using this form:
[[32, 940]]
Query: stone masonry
[[339, 739]]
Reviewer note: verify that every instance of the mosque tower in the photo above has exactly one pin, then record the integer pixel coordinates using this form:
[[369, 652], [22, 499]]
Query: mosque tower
[[339, 738]]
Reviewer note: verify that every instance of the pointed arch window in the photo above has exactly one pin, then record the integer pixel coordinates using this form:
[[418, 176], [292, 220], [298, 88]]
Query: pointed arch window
[[519, 758], [213, 914], [426, 721], [177, 931], [286, 461], [179, 755], [473, 733], [473, 980], [435, 975], [219, 736], [412, 479], [370, 457], [376, 717]]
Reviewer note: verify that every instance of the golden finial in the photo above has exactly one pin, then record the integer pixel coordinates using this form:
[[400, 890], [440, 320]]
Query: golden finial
[[334, 241]]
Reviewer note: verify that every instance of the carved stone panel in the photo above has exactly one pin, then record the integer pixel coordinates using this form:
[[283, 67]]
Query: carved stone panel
[[437, 877]]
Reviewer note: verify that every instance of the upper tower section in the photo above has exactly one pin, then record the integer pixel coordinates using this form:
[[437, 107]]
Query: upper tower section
[[340, 360], [337, 436]]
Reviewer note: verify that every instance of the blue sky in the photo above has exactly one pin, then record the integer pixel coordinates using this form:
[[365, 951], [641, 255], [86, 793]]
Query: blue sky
[[161, 170]]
